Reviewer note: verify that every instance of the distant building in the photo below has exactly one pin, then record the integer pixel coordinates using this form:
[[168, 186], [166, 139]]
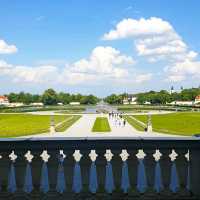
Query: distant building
[[75, 103], [4, 101], [197, 99], [15, 104], [182, 103], [125, 101], [60, 104], [130, 100], [186, 103], [37, 104], [147, 102]]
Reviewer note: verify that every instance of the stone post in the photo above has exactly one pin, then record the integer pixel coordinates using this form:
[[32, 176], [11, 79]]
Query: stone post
[[52, 125], [149, 124]]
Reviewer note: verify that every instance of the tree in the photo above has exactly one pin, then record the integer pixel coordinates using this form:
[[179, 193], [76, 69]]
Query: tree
[[36, 98], [12, 97], [189, 94], [49, 97], [64, 98], [114, 99], [90, 99]]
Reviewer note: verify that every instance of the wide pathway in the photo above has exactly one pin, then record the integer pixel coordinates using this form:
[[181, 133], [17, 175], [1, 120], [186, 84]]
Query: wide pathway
[[83, 129]]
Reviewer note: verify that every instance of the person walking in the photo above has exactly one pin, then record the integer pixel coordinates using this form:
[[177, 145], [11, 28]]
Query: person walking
[[124, 122]]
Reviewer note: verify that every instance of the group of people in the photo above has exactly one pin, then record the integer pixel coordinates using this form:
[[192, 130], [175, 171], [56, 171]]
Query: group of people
[[117, 119]]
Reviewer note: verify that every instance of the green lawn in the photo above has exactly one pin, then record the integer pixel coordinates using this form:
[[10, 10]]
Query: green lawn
[[147, 108], [187, 123], [23, 109], [101, 124], [13, 125], [67, 123], [133, 123]]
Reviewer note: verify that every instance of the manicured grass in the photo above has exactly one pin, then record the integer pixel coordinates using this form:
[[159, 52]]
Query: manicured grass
[[101, 124], [67, 123], [78, 111], [146, 108], [13, 125], [133, 123], [23, 109], [187, 123]]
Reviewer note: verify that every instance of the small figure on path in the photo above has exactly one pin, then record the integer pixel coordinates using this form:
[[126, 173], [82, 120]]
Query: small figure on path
[[124, 122]]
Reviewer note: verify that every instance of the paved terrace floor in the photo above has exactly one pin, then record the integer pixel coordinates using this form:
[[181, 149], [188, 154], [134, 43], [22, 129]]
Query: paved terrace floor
[[83, 129]]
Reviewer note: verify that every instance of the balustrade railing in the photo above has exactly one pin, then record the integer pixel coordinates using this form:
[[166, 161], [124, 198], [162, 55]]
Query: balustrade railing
[[84, 169]]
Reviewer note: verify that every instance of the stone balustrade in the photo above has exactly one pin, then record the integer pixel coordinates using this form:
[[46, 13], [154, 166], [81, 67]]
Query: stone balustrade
[[97, 169]]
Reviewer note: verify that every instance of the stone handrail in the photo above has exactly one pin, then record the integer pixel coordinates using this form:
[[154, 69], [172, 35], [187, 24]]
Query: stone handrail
[[98, 168]]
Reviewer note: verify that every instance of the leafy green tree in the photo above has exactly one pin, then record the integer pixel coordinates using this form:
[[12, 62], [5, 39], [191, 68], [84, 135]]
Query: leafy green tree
[[12, 97], [64, 98], [90, 99], [114, 99], [49, 97], [36, 98], [189, 94]]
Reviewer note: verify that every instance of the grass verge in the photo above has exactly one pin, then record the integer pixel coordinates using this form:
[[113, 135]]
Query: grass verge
[[184, 123], [101, 124], [14, 125], [67, 123], [134, 123]]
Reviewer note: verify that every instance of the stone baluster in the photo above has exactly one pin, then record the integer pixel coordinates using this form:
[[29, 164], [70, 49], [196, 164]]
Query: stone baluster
[[28, 182], [77, 178], [44, 181], [12, 186], [109, 179], [125, 181], [93, 182], [158, 182], [188, 182], [141, 172], [61, 184], [174, 179]]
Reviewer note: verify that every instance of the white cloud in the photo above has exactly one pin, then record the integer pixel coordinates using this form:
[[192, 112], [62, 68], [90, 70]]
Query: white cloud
[[129, 28], [7, 49], [154, 38], [4, 66], [105, 64], [182, 70], [143, 78], [25, 74], [104, 61], [175, 78]]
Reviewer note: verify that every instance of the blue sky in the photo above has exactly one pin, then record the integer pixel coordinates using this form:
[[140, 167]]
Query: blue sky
[[63, 44]]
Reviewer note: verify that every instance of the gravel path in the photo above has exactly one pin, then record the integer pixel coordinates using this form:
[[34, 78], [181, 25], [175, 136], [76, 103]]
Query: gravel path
[[83, 129]]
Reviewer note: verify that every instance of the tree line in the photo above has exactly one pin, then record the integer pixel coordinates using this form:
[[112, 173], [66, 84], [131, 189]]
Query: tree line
[[161, 97], [51, 97]]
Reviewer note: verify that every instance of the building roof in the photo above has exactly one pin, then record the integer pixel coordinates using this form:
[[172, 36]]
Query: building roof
[[4, 98], [197, 97]]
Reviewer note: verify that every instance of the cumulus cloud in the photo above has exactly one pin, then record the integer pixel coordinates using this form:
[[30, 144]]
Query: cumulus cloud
[[7, 49], [143, 77], [38, 74], [105, 61], [4, 66], [154, 38], [137, 28], [181, 70], [103, 64]]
